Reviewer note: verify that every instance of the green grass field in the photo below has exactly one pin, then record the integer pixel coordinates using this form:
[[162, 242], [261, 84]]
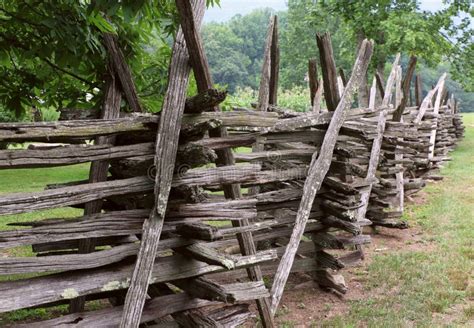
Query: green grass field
[[430, 287]]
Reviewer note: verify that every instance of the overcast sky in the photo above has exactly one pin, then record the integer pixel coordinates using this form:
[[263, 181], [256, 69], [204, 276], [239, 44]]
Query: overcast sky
[[230, 8]]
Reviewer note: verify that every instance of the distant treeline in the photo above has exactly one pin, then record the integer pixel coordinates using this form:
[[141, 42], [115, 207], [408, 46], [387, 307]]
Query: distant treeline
[[235, 50]]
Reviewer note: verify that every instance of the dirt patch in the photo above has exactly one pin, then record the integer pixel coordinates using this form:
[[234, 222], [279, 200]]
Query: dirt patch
[[304, 303]]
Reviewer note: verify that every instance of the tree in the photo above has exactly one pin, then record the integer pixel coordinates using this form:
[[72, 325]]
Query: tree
[[229, 63], [51, 51], [400, 26]]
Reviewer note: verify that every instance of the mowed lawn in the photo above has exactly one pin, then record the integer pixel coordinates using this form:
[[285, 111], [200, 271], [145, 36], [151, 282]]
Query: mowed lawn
[[430, 287]]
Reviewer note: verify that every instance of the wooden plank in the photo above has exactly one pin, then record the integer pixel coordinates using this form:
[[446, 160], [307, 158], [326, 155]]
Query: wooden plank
[[86, 129], [71, 154], [328, 68], [32, 201], [436, 111], [155, 308], [390, 82], [318, 169], [120, 223], [418, 90], [165, 157], [274, 64], [122, 70], [264, 90], [225, 156], [81, 261], [380, 84], [265, 76], [56, 287], [373, 94], [397, 115]]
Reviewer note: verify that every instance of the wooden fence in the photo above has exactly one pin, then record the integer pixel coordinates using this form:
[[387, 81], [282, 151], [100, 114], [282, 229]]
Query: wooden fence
[[184, 229]]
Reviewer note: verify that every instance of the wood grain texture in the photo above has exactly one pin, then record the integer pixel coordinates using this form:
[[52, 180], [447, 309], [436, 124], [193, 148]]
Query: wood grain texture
[[318, 169], [122, 70], [51, 288], [166, 149], [329, 72]]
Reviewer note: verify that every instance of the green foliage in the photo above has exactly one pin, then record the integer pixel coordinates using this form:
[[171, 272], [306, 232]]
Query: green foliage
[[296, 98], [221, 43], [235, 48], [51, 51]]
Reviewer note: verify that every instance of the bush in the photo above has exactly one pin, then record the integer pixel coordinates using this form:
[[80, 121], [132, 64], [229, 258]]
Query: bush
[[296, 99]]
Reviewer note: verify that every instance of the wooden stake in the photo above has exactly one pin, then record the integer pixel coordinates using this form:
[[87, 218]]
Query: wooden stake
[[405, 89], [317, 171], [373, 94], [328, 68], [313, 79], [99, 169], [123, 71], [166, 149], [418, 90], [390, 82], [274, 64]]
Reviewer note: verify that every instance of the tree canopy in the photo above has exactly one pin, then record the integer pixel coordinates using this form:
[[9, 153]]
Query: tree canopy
[[51, 51], [52, 56]]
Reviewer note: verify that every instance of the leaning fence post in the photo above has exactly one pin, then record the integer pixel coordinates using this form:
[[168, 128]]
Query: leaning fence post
[[318, 168], [165, 157], [203, 77]]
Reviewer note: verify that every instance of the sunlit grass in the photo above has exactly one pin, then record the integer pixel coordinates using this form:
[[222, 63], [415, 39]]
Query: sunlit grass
[[420, 285]]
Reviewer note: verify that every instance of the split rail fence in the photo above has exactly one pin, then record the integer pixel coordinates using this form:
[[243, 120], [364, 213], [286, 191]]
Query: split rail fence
[[179, 229]]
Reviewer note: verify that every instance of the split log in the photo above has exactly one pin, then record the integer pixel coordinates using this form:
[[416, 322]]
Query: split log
[[390, 82], [22, 265], [95, 225], [51, 288], [318, 169], [166, 149], [155, 308], [204, 101], [328, 68], [69, 155]]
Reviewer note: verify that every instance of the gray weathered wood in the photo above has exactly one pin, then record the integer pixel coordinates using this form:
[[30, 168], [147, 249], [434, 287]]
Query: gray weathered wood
[[328, 68], [122, 70], [390, 82], [71, 154], [166, 149], [318, 169], [397, 115], [155, 308], [274, 65], [51, 288]]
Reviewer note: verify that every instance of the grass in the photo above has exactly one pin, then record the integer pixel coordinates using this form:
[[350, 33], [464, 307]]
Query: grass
[[431, 287], [25, 180]]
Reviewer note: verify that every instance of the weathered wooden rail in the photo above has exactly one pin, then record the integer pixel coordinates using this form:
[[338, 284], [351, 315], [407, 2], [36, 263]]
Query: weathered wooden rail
[[323, 174]]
